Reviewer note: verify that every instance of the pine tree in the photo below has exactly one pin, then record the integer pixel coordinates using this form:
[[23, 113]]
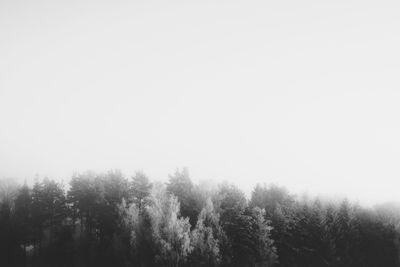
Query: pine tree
[[181, 186], [140, 189], [206, 238], [23, 205], [265, 251]]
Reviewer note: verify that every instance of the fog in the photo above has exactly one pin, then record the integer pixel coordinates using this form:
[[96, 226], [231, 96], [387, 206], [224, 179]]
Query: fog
[[303, 94]]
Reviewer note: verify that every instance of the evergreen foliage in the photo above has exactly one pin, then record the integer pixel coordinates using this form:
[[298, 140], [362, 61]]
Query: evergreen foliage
[[105, 219]]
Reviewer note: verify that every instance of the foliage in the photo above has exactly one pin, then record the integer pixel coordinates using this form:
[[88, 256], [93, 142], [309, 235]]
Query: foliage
[[207, 238], [104, 219], [171, 233]]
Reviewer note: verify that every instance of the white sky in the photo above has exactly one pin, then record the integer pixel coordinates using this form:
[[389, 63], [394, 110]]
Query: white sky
[[300, 93]]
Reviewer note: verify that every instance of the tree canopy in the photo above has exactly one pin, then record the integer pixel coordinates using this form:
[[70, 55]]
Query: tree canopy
[[107, 219]]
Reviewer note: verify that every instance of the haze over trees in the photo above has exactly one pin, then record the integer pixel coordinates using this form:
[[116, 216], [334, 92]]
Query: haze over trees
[[108, 219]]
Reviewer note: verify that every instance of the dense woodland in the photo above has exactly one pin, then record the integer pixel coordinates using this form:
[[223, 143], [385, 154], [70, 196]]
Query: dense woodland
[[107, 219]]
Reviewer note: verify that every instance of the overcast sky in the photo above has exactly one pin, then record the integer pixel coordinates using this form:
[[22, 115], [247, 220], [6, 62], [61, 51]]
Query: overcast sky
[[305, 94]]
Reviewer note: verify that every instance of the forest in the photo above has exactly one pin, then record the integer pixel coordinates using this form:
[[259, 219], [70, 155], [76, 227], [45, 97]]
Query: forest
[[108, 219]]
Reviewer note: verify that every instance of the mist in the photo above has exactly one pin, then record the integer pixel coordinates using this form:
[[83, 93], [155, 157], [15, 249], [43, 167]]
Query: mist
[[267, 129], [299, 94]]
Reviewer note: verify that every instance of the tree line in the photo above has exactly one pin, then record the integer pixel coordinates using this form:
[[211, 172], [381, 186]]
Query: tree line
[[107, 219]]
